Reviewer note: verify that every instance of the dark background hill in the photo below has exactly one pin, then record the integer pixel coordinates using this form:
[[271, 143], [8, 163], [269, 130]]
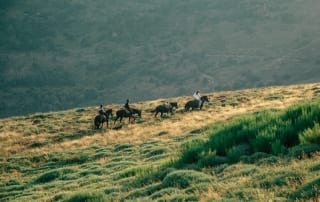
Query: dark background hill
[[60, 54]]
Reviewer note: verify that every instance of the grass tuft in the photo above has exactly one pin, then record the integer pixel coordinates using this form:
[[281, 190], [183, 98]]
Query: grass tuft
[[86, 197]]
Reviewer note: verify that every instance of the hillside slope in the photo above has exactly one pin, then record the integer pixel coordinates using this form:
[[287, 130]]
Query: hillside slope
[[58, 156], [65, 54]]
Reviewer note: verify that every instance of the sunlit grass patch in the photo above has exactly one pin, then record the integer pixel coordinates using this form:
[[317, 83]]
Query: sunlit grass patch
[[169, 159], [133, 171]]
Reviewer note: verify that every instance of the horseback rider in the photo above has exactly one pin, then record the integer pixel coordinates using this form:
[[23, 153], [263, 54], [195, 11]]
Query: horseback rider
[[127, 107], [101, 110], [197, 97]]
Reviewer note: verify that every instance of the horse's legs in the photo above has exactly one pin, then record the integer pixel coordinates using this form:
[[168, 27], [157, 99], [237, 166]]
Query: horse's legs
[[132, 117], [115, 120], [156, 114]]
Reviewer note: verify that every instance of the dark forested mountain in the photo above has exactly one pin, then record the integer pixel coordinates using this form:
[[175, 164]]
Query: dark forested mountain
[[59, 54]]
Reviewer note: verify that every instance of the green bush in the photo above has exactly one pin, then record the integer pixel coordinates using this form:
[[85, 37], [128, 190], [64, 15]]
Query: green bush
[[237, 151], [311, 135], [270, 132], [192, 151], [278, 148]]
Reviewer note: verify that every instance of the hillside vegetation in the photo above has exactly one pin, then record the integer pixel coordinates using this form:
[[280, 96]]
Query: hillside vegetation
[[74, 53], [257, 144]]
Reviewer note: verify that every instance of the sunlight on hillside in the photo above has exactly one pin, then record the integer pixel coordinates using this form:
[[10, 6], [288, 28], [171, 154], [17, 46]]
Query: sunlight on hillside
[[62, 153], [18, 133]]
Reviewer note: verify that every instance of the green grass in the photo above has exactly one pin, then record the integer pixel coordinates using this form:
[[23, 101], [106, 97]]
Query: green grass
[[268, 155], [269, 132]]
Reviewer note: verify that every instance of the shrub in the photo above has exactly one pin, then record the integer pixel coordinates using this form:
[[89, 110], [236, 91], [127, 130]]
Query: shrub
[[277, 147], [192, 151], [311, 135], [237, 151], [270, 132]]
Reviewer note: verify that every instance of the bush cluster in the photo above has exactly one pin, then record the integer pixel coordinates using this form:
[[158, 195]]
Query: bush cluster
[[270, 132]]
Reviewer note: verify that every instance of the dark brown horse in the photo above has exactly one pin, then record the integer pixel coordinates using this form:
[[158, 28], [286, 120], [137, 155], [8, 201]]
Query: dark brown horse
[[121, 113], [194, 104], [101, 118], [165, 108]]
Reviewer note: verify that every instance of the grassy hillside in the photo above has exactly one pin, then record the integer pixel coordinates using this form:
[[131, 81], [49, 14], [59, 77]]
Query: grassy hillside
[[66, 54], [269, 138]]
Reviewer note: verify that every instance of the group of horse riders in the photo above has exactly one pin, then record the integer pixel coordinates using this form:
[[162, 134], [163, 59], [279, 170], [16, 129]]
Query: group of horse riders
[[127, 111], [196, 96], [126, 106]]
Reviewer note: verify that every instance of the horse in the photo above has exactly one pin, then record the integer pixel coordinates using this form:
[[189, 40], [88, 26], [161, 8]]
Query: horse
[[101, 118], [121, 113], [165, 108], [194, 104], [174, 104]]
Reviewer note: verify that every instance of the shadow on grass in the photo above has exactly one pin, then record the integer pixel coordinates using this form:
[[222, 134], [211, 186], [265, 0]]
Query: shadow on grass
[[73, 136]]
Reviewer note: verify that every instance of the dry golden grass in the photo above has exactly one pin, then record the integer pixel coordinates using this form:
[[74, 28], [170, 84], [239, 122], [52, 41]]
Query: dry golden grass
[[17, 134]]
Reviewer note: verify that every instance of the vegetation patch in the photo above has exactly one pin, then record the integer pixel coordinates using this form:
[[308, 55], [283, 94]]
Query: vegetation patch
[[153, 152], [123, 147], [86, 196], [53, 175], [132, 171], [288, 179], [184, 178], [274, 97], [144, 191], [261, 156], [267, 132], [310, 191], [304, 150]]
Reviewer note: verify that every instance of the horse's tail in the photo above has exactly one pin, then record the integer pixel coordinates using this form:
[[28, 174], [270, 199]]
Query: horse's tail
[[153, 110], [187, 106]]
